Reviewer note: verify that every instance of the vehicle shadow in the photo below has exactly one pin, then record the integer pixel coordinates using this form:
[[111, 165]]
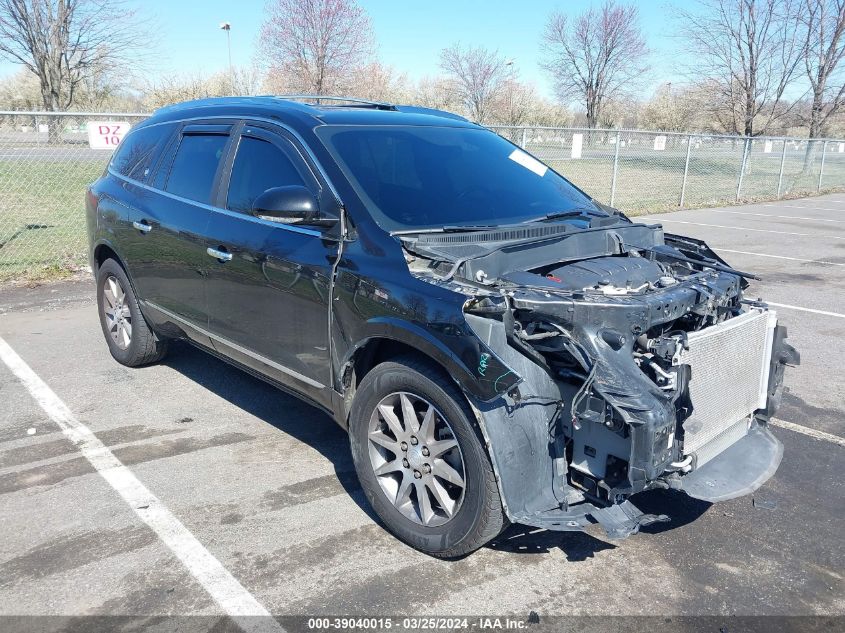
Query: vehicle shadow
[[310, 425], [680, 508], [292, 416], [522, 539]]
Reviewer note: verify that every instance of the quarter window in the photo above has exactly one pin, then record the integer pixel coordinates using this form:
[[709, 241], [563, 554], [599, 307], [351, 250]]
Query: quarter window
[[135, 155], [195, 164], [259, 165]]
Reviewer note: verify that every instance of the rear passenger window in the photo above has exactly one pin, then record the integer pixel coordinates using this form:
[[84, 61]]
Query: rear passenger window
[[135, 156], [259, 166], [194, 167]]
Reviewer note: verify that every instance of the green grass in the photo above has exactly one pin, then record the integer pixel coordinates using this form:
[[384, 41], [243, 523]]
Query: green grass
[[49, 198], [649, 182], [50, 193]]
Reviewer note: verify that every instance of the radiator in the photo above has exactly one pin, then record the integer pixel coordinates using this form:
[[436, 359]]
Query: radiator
[[729, 378]]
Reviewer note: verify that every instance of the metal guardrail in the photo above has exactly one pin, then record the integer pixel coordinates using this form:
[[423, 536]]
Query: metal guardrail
[[43, 176]]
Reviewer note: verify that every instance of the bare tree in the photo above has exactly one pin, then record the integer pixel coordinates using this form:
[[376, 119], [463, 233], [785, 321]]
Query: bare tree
[[515, 102], [381, 83], [750, 50], [823, 24], [434, 92], [597, 57], [240, 80], [67, 42], [674, 109], [476, 76], [316, 46], [173, 88]]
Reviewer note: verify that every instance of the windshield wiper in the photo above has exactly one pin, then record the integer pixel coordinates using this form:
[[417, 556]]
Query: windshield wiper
[[469, 228], [464, 228], [458, 228], [569, 213]]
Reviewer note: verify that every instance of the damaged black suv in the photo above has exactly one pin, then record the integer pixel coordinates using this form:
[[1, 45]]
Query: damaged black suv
[[500, 346]]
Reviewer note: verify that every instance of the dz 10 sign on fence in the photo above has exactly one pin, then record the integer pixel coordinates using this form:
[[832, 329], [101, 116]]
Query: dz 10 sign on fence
[[106, 134]]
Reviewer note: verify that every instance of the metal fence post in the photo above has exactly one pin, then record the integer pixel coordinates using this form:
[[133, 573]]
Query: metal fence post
[[686, 172], [782, 162], [742, 167], [35, 236], [615, 170], [821, 167]]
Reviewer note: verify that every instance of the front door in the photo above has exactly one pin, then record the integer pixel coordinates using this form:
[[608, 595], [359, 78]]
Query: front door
[[268, 297]]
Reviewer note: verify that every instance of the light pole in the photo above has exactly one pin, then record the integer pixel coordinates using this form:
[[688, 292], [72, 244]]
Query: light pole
[[510, 66], [228, 28]]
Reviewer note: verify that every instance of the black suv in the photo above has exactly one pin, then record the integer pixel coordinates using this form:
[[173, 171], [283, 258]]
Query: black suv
[[500, 346]]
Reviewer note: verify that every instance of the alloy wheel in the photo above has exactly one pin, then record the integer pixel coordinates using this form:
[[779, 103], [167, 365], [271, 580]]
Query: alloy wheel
[[117, 314], [416, 459]]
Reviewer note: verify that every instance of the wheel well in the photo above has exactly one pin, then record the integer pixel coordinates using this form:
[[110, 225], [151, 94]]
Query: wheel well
[[377, 351], [373, 353], [102, 253]]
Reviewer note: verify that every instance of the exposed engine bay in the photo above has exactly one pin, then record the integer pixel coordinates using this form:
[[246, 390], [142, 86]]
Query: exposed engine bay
[[635, 362]]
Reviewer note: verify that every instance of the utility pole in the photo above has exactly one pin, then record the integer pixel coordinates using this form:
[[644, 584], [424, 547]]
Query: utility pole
[[228, 28], [510, 64]]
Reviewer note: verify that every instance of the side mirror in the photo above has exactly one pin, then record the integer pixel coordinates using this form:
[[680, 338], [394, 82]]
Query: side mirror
[[293, 204]]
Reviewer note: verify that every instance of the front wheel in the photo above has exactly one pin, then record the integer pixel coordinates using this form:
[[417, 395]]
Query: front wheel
[[420, 461], [130, 340]]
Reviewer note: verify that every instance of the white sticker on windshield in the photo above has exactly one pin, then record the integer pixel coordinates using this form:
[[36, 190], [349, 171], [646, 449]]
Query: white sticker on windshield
[[529, 162]]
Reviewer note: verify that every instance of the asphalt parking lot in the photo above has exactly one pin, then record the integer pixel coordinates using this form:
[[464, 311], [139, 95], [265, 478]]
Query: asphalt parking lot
[[265, 484]]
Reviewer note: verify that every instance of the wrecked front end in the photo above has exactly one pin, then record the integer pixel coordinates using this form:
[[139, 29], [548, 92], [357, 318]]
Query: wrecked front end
[[640, 366]]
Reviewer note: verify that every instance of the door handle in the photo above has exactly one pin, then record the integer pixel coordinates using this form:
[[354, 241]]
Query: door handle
[[142, 226], [223, 256]]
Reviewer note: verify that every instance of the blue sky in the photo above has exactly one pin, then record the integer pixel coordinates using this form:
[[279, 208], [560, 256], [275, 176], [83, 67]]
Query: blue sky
[[410, 35]]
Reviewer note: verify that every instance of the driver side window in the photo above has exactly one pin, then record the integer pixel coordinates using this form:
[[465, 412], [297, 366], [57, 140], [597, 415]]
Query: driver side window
[[259, 165]]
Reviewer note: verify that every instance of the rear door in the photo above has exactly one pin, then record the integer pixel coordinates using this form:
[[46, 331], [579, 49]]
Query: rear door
[[122, 207], [170, 263], [268, 303]]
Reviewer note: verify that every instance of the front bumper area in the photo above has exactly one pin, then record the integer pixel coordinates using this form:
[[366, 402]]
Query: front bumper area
[[726, 457], [737, 471]]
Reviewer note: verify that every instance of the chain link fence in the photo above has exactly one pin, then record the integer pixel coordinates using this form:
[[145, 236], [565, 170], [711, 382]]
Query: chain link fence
[[45, 166], [638, 171], [46, 163]]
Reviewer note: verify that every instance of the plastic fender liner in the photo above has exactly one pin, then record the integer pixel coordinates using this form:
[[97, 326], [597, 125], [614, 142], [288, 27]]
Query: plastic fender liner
[[517, 432], [622, 520], [619, 521], [783, 354], [737, 471], [532, 486]]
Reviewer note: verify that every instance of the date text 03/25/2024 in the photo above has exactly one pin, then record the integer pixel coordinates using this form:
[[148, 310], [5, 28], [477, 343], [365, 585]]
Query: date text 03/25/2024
[[417, 623]]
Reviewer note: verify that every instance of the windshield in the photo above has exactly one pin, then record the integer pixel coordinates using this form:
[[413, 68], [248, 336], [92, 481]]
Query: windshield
[[414, 177]]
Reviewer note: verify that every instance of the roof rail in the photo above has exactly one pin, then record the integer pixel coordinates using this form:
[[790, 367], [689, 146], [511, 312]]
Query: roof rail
[[355, 100]]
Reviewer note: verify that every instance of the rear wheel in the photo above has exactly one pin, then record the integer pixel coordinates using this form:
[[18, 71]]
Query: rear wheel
[[420, 461], [130, 340]]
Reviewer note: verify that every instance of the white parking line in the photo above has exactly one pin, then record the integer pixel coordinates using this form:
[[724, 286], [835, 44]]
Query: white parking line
[[785, 217], [745, 228], [798, 428], [794, 259], [224, 588], [789, 307], [804, 206]]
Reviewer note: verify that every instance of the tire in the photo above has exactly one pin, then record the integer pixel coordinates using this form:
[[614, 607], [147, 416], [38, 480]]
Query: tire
[[129, 337], [472, 515]]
